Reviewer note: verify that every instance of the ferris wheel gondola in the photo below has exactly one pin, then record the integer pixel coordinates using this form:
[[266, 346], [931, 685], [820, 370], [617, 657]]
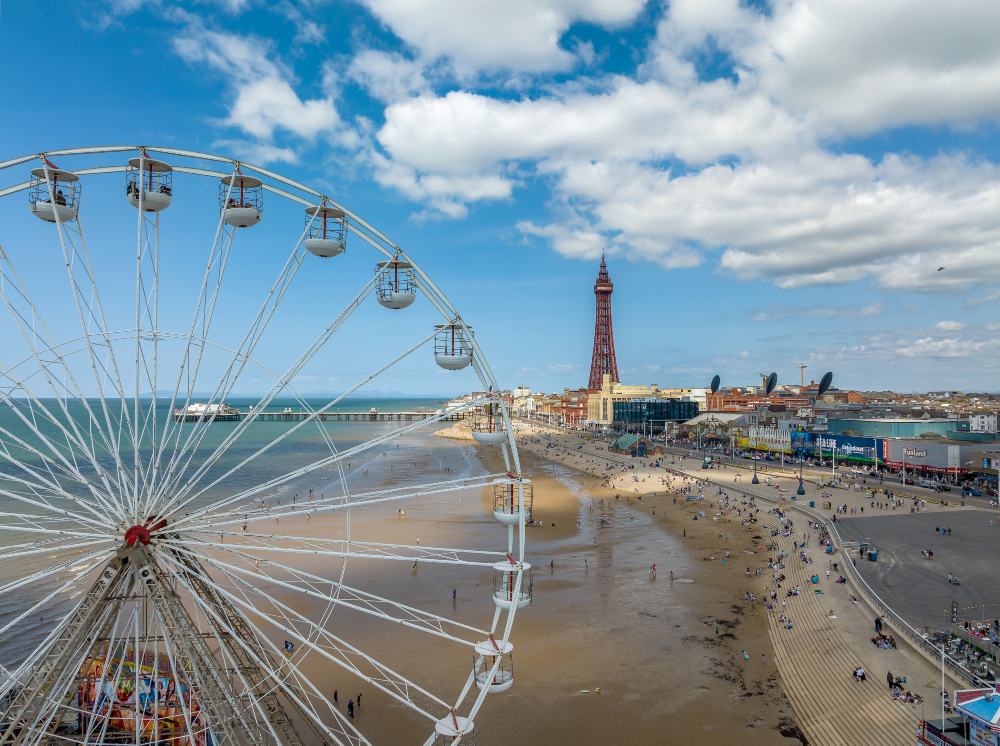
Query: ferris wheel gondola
[[325, 230], [54, 194], [397, 287], [182, 602], [241, 199], [149, 182]]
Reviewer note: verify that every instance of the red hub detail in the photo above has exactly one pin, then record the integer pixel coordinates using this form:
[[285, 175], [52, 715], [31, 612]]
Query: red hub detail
[[136, 534]]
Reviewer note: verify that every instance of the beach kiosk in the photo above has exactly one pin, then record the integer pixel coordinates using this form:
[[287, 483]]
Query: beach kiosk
[[980, 708], [150, 182], [326, 229], [241, 199], [397, 288], [54, 194], [452, 346]]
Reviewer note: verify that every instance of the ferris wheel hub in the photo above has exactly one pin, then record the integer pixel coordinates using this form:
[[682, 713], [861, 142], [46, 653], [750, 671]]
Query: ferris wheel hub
[[137, 534]]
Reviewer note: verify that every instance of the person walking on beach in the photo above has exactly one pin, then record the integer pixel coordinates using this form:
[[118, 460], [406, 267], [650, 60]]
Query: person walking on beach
[[350, 708], [359, 702], [889, 679], [454, 594], [336, 702]]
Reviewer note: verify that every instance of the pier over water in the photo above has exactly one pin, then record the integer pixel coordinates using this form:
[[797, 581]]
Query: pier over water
[[230, 414]]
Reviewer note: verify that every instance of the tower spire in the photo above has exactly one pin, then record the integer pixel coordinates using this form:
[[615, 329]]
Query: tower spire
[[603, 360]]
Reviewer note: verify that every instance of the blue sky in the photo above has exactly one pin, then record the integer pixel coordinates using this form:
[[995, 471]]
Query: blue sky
[[774, 183]]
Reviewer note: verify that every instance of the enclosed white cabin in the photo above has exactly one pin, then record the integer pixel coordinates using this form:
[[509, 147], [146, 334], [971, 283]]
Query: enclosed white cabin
[[242, 205], [54, 197], [485, 658], [507, 496], [506, 592], [487, 424], [325, 230], [452, 346], [151, 182], [397, 287]]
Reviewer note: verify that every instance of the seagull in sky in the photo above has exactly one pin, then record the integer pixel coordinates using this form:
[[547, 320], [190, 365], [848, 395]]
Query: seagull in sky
[[940, 268]]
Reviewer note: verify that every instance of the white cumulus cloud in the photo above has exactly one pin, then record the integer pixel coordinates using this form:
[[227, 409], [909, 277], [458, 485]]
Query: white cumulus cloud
[[520, 35]]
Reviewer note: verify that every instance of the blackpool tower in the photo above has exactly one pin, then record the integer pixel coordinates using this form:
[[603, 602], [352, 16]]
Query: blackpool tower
[[604, 336]]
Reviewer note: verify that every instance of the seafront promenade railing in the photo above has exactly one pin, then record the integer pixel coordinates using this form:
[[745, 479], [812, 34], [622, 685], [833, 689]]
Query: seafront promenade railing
[[915, 638]]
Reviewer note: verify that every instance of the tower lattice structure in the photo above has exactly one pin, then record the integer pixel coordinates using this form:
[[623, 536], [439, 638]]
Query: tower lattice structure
[[603, 360]]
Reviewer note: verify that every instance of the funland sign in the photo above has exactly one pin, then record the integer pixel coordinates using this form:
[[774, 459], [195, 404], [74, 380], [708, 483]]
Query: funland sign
[[768, 438]]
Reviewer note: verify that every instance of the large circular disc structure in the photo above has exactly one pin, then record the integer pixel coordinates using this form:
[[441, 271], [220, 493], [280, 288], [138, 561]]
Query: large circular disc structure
[[176, 568]]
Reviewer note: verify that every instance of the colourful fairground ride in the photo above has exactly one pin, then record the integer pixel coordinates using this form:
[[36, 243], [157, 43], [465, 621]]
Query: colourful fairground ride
[[118, 697]]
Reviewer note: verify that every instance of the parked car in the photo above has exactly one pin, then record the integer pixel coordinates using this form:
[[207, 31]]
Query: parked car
[[991, 493]]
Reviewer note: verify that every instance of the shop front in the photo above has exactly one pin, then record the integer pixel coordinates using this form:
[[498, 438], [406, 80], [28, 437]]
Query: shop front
[[930, 458]]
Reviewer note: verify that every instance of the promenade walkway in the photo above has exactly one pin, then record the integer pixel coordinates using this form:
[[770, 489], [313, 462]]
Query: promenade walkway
[[815, 661]]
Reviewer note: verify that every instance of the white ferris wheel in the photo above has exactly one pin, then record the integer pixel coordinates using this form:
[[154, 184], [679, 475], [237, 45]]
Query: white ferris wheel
[[153, 589]]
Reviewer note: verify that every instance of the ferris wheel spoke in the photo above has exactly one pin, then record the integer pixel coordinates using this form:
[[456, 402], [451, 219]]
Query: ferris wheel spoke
[[256, 695], [279, 385], [261, 659], [349, 598], [62, 458], [416, 553], [203, 313], [47, 482], [53, 569], [173, 431], [45, 505], [42, 604], [361, 499], [77, 443], [46, 548], [319, 464], [313, 418], [85, 320], [332, 648]]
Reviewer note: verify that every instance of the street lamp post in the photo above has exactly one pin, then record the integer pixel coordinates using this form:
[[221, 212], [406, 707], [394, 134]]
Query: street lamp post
[[754, 457], [801, 490]]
